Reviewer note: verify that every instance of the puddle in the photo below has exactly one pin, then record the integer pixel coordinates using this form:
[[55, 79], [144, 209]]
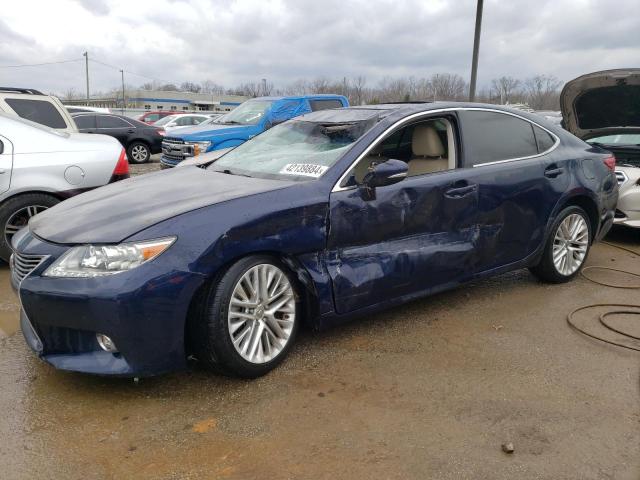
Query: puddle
[[9, 305]]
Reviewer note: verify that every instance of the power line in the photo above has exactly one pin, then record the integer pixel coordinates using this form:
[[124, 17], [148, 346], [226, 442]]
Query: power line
[[131, 73], [40, 64]]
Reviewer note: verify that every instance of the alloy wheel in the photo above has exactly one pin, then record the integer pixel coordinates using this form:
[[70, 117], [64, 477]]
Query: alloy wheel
[[570, 244], [262, 313], [20, 219], [139, 153]]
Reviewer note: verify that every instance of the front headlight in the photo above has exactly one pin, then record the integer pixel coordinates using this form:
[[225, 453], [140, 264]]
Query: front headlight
[[99, 260], [200, 147]]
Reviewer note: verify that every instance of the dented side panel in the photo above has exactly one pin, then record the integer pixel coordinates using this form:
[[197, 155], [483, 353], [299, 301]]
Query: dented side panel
[[410, 238]]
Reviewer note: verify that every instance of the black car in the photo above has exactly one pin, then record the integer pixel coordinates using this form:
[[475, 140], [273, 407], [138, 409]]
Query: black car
[[140, 140]]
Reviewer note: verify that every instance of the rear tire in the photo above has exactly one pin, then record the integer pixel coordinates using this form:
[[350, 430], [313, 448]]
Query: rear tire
[[567, 247], [138, 152], [249, 320], [15, 214]]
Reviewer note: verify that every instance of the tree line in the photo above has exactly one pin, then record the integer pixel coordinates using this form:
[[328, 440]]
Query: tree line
[[540, 92]]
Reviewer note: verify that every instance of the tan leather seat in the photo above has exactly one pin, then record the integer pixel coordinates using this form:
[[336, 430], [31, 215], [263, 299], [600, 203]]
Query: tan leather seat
[[428, 151]]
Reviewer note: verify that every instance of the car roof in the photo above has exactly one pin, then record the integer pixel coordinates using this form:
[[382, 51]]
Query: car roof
[[365, 112], [318, 96]]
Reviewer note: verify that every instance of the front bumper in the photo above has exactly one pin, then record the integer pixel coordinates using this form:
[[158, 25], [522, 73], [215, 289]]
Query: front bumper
[[144, 311]]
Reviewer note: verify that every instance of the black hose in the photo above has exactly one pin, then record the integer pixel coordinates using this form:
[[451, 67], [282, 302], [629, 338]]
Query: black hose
[[625, 307]]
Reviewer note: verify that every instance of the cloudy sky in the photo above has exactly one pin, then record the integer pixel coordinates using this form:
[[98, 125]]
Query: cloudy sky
[[232, 42]]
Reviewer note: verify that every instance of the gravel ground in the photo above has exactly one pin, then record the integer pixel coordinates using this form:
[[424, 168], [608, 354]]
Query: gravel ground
[[430, 390], [152, 166]]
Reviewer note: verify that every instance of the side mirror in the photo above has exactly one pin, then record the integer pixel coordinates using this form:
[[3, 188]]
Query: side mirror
[[383, 174]]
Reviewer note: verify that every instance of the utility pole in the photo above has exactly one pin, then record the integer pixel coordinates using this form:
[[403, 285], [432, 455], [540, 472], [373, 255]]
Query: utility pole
[[123, 104], [264, 87], [476, 48], [86, 66]]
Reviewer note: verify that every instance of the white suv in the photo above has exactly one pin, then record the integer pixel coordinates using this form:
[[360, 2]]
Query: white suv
[[40, 166], [37, 107]]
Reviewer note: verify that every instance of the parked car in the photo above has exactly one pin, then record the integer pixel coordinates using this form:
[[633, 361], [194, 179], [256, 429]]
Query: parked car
[[40, 166], [140, 140], [152, 117], [327, 216], [602, 108], [173, 122], [37, 107], [245, 122]]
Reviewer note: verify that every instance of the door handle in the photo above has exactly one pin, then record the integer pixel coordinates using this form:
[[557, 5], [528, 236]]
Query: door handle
[[131, 130], [552, 171], [459, 192]]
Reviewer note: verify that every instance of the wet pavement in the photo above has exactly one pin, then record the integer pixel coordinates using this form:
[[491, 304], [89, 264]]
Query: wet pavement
[[431, 389]]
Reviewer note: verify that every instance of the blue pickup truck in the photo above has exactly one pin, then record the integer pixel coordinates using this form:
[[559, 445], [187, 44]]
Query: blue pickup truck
[[246, 121]]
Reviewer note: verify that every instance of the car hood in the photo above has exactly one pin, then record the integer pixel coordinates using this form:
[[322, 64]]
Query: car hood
[[602, 103], [208, 131], [111, 214]]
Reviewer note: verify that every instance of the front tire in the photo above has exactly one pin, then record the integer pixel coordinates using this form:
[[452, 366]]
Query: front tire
[[138, 152], [567, 247], [250, 318], [15, 214]]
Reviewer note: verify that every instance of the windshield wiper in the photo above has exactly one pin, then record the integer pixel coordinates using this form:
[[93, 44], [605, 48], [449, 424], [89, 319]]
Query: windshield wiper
[[230, 122], [229, 172]]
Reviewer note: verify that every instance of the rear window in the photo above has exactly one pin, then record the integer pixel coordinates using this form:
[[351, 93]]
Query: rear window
[[85, 121], [493, 137], [324, 104], [152, 117], [38, 111], [107, 121], [544, 140]]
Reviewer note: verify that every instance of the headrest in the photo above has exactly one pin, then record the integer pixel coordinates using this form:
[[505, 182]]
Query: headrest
[[426, 142]]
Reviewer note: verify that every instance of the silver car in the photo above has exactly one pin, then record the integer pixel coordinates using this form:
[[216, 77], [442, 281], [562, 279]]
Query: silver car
[[41, 166]]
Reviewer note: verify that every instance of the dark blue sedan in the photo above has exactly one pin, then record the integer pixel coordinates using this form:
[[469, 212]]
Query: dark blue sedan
[[325, 217]]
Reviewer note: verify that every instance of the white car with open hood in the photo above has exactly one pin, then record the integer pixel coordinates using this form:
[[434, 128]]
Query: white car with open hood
[[603, 108]]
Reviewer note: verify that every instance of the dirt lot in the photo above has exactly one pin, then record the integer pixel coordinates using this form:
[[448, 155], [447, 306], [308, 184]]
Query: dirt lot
[[428, 390]]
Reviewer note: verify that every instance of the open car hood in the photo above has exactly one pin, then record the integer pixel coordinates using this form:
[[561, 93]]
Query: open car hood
[[602, 103]]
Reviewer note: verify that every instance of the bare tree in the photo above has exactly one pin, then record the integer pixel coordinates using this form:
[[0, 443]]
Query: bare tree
[[71, 94], [298, 87], [357, 88], [448, 86], [169, 87], [543, 92], [505, 88], [190, 87], [212, 88]]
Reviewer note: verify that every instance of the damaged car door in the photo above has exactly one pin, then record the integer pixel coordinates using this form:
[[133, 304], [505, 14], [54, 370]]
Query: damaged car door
[[414, 236]]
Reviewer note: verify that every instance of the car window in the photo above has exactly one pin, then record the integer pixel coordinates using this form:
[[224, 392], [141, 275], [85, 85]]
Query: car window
[[425, 146], [85, 121], [164, 120], [152, 117], [37, 111], [324, 104], [544, 140], [109, 121], [493, 137], [184, 121]]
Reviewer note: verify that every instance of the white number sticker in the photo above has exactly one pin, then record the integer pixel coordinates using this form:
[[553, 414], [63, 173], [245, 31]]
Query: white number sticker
[[306, 169]]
